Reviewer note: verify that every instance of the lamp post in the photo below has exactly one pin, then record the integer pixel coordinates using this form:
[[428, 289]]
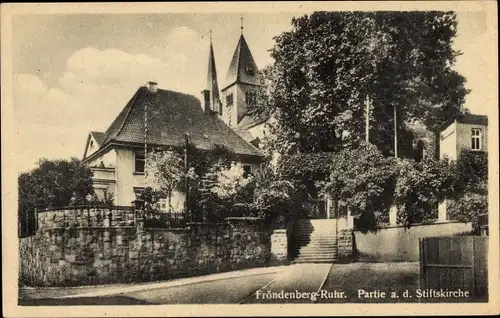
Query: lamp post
[[186, 180]]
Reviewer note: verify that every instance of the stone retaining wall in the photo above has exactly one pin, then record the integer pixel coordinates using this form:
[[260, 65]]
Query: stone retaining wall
[[74, 254], [400, 244], [345, 244], [83, 217]]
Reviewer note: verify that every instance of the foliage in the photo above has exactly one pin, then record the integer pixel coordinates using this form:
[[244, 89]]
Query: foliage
[[222, 187], [470, 190], [108, 199], [420, 187], [231, 183], [151, 197], [471, 170], [168, 171], [363, 180], [275, 198], [330, 62], [52, 184], [468, 206], [305, 169], [202, 202]]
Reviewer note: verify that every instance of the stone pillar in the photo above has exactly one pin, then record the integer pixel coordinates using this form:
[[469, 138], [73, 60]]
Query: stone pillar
[[442, 217], [350, 220], [279, 246], [393, 215], [345, 246]]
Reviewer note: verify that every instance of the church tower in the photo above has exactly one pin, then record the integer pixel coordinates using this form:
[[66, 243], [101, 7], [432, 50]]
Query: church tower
[[241, 84], [210, 99]]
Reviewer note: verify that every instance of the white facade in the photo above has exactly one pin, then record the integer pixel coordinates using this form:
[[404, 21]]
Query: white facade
[[462, 136]]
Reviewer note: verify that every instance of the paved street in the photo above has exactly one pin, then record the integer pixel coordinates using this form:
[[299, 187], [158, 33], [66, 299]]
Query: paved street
[[339, 282]]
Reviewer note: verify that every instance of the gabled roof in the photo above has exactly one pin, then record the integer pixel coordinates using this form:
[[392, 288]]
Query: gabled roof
[[99, 137], [250, 121], [171, 115], [241, 62]]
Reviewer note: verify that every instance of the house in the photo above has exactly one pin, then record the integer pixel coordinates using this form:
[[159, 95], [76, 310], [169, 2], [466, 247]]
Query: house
[[162, 118], [463, 132]]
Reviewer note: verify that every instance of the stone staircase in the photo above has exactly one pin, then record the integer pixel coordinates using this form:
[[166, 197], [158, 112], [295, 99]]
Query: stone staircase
[[314, 241]]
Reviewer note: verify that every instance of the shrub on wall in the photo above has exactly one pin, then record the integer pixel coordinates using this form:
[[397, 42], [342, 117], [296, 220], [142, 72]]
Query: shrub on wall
[[470, 189]]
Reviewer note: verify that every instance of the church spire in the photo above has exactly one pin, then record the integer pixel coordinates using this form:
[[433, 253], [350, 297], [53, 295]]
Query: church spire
[[212, 98], [241, 24]]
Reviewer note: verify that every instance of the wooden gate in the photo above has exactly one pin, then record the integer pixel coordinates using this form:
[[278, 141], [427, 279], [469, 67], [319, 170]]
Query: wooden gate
[[455, 262]]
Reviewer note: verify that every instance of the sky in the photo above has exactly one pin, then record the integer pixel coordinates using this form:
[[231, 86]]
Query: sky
[[74, 73]]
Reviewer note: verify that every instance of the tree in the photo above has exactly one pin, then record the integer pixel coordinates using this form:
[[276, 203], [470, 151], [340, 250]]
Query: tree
[[201, 200], [275, 198], [52, 184], [363, 180], [231, 184], [168, 171], [420, 187], [330, 62], [469, 197]]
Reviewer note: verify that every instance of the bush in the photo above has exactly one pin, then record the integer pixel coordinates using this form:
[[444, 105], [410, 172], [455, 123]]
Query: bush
[[469, 197], [420, 187], [363, 180]]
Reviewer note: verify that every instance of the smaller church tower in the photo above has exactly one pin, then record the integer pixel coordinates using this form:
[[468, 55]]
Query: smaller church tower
[[210, 98], [241, 84]]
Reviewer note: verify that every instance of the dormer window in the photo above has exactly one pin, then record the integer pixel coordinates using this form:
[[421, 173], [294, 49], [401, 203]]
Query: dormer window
[[476, 139], [249, 70]]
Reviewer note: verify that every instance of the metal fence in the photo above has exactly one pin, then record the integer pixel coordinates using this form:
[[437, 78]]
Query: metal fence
[[164, 220]]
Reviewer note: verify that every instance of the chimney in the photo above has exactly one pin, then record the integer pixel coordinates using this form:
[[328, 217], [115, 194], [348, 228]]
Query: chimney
[[152, 87], [205, 101]]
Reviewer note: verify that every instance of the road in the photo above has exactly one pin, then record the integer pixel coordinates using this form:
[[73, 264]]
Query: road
[[289, 284]]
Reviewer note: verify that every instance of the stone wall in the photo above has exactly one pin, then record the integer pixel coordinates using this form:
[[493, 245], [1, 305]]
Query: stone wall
[[345, 244], [399, 244], [79, 254], [279, 246], [84, 217]]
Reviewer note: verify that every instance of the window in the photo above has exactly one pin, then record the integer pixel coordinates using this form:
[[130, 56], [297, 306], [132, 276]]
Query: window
[[249, 70], [229, 99], [91, 144], [250, 98], [247, 170], [162, 205], [475, 139], [139, 161], [138, 191]]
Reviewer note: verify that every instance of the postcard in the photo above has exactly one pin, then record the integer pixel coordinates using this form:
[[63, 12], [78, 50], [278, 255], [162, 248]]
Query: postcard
[[250, 158]]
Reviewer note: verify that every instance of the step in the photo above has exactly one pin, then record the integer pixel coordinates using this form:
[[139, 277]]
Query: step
[[306, 236], [317, 241], [332, 252], [314, 257], [316, 246], [317, 260], [314, 261]]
